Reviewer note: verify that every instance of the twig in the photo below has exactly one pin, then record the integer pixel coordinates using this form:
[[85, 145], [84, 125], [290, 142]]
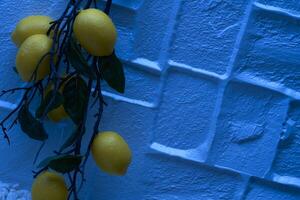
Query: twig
[[36, 173], [77, 151], [38, 152], [13, 90], [108, 6], [97, 123], [61, 32]]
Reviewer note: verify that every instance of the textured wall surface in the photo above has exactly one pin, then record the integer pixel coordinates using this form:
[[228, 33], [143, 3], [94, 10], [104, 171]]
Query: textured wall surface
[[212, 104]]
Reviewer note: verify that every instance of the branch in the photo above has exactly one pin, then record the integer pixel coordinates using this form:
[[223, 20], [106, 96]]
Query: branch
[[77, 151], [13, 90], [108, 6], [61, 32], [95, 131]]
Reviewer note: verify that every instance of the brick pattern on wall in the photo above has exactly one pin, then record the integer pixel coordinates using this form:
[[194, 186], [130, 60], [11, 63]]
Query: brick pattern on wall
[[222, 81], [212, 104]]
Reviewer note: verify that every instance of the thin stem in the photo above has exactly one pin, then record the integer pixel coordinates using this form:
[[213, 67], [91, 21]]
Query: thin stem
[[88, 4], [13, 90], [78, 146], [95, 132], [108, 6], [38, 152], [95, 3], [36, 173], [61, 31]]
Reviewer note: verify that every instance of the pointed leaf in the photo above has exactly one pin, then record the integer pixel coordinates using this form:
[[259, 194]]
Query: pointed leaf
[[72, 139], [44, 163], [62, 163], [31, 126], [66, 163], [112, 72], [78, 62], [50, 102], [75, 98], [15, 70]]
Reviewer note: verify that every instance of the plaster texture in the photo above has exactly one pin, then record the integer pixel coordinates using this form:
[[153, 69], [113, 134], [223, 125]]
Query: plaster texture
[[212, 105]]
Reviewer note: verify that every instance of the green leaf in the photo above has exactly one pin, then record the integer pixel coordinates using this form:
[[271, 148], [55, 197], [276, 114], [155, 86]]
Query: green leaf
[[112, 72], [46, 162], [51, 101], [31, 126], [78, 62], [72, 139], [15, 70], [62, 163], [75, 99]]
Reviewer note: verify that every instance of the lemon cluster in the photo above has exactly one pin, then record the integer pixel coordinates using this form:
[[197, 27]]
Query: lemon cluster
[[111, 154], [30, 36], [97, 34], [93, 29]]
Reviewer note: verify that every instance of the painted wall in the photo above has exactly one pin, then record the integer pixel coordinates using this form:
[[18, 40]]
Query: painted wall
[[212, 104]]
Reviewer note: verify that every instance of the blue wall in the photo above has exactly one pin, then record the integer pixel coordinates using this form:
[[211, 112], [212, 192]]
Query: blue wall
[[212, 104]]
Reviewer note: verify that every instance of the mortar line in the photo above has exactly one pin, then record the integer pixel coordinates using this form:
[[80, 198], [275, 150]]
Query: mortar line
[[165, 47], [245, 188], [163, 59], [268, 172], [214, 120], [277, 10], [224, 83], [167, 40], [239, 39]]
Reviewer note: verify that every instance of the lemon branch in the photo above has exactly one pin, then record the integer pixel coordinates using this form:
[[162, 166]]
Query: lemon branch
[[98, 116], [66, 77], [108, 6], [97, 94], [28, 94], [77, 150]]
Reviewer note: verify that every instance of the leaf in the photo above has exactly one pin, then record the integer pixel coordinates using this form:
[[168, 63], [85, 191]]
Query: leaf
[[78, 61], [72, 139], [75, 95], [62, 163], [112, 72], [66, 163], [52, 100], [15, 70], [31, 126], [46, 162]]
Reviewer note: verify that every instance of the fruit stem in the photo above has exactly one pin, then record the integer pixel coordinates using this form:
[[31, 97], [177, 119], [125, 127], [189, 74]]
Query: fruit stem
[[108, 6], [96, 125], [61, 31]]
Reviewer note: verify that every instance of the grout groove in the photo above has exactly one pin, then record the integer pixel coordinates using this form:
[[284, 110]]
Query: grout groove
[[277, 10], [222, 86]]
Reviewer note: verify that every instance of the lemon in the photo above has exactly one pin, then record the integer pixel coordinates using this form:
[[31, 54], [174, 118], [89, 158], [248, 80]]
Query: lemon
[[95, 32], [49, 186], [58, 113], [111, 153], [30, 26], [30, 54]]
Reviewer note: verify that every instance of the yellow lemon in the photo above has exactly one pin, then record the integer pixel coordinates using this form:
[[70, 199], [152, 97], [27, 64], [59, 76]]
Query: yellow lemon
[[95, 32], [58, 113], [30, 54], [111, 153], [30, 26], [49, 186]]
